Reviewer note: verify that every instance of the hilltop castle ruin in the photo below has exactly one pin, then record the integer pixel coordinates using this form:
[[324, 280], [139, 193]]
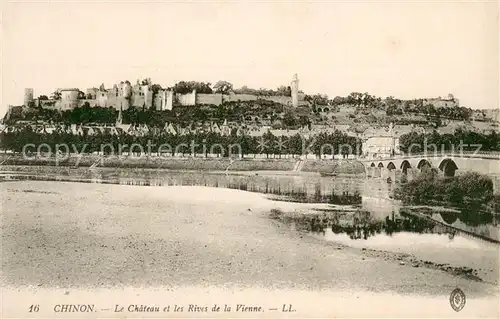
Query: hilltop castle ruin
[[144, 94]]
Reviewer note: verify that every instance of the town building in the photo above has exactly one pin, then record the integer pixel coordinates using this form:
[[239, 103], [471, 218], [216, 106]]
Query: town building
[[449, 101], [381, 144]]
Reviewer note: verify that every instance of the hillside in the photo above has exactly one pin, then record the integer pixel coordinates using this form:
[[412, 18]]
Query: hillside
[[352, 115]]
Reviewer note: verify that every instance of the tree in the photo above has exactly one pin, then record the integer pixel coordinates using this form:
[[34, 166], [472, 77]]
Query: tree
[[156, 88], [245, 90], [338, 100], [367, 99], [355, 98], [304, 121], [43, 98], [56, 95], [223, 87], [295, 144], [393, 110], [319, 99], [284, 90], [269, 145], [289, 120]]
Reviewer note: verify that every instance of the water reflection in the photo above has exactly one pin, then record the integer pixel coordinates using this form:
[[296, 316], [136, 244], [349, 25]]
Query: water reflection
[[361, 226], [303, 197], [377, 212], [470, 216]]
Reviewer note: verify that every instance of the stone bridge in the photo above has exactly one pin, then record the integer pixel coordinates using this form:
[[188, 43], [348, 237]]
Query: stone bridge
[[448, 164]]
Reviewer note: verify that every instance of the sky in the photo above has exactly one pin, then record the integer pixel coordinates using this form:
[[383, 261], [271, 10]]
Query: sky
[[404, 49]]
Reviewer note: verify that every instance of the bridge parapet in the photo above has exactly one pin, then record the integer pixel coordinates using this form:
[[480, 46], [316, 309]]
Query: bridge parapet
[[471, 154], [447, 163]]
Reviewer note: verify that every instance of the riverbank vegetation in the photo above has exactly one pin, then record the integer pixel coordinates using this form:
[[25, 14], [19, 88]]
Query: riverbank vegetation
[[470, 189]]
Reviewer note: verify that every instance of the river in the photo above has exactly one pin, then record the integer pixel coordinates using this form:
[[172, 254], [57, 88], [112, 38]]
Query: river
[[207, 226], [473, 248]]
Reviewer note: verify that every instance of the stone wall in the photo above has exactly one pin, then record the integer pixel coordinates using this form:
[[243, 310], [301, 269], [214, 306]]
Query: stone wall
[[239, 97], [49, 104], [142, 96], [138, 100], [169, 99], [92, 102], [188, 99], [159, 101], [215, 99], [285, 100]]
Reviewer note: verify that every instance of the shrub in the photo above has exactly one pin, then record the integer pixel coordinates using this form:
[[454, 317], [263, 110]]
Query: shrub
[[469, 187], [475, 186], [495, 203], [275, 213]]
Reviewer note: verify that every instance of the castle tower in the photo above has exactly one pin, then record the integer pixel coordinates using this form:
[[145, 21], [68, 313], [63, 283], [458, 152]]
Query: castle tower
[[28, 96], [295, 90], [169, 98], [119, 120], [126, 97]]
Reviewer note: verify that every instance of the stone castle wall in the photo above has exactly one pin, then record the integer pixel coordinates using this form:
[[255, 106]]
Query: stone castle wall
[[240, 97], [285, 100], [124, 95], [191, 99], [215, 99], [163, 100], [188, 99]]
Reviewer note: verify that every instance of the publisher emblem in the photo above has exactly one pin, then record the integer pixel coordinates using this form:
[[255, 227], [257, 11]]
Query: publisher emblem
[[457, 299]]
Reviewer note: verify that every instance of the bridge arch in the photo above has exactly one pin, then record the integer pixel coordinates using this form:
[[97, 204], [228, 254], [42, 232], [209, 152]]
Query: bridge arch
[[449, 217], [405, 165], [448, 167], [423, 164], [391, 166]]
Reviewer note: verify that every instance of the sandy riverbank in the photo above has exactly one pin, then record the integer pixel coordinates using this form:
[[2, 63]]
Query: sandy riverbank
[[82, 237]]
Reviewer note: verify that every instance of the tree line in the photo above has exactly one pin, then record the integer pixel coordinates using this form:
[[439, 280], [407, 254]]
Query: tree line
[[225, 87], [417, 142], [336, 143]]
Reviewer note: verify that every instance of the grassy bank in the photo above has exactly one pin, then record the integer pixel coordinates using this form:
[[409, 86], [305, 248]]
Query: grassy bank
[[347, 167], [188, 163]]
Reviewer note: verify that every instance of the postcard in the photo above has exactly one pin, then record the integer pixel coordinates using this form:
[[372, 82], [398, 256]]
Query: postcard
[[249, 159]]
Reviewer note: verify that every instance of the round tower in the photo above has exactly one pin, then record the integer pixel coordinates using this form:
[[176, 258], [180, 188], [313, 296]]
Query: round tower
[[28, 96], [295, 90], [127, 90]]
